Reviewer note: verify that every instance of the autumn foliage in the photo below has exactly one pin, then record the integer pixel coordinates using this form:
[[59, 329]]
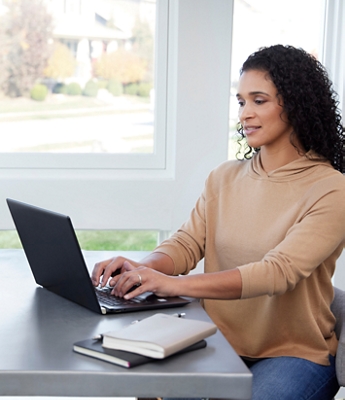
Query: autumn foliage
[[122, 66]]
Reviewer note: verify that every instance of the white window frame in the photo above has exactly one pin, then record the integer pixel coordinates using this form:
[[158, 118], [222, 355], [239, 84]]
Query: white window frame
[[154, 160], [334, 46]]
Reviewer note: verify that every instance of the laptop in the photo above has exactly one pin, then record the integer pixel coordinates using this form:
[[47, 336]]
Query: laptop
[[57, 263]]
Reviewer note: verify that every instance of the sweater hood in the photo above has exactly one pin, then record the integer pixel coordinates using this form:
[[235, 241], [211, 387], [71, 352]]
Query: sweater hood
[[293, 170]]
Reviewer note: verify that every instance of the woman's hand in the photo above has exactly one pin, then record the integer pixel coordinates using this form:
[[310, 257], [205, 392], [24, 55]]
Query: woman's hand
[[135, 280], [114, 266], [109, 268]]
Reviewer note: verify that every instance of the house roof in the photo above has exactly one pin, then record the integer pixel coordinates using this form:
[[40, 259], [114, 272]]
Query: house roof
[[75, 28]]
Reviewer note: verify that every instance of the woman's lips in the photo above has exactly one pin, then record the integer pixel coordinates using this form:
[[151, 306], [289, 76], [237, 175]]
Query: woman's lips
[[248, 130]]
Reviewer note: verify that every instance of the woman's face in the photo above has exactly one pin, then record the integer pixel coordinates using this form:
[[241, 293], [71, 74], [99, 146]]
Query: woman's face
[[261, 112]]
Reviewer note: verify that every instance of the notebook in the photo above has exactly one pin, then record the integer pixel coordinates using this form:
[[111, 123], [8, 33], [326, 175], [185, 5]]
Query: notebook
[[57, 263]]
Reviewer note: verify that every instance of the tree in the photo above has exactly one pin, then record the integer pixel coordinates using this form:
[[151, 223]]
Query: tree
[[28, 30], [122, 66], [61, 64]]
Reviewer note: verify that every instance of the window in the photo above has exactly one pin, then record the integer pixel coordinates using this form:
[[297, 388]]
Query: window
[[99, 111], [270, 22], [72, 6]]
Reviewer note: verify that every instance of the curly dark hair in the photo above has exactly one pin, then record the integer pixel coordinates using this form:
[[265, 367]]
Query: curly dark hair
[[309, 100]]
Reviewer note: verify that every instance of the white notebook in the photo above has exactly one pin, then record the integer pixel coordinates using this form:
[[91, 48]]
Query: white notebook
[[159, 336]]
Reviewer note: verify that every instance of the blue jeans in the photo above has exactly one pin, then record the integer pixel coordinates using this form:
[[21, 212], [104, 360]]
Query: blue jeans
[[289, 378]]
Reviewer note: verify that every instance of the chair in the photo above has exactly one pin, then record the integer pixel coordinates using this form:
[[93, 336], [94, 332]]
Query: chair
[[338, 309]]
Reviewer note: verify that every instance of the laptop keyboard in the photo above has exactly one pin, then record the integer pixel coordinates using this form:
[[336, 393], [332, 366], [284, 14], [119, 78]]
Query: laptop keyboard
[[103, 295]]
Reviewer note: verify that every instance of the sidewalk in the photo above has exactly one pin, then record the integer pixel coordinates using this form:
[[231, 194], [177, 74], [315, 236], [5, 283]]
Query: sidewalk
[[101, 104]]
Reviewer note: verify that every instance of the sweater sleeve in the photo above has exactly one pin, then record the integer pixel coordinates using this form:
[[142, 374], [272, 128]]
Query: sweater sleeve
[[186, 247], [315, 240]]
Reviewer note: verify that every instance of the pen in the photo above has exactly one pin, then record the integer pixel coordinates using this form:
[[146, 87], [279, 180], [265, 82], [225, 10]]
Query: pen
[[177, 315]]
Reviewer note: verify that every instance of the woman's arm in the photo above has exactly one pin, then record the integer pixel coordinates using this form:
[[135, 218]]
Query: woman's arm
[[218, 285]]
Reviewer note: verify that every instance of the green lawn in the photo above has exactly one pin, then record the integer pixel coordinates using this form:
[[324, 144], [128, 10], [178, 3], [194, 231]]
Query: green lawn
[[97, 240]]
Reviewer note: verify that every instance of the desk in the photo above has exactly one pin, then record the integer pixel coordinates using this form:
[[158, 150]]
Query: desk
[[38, 329]]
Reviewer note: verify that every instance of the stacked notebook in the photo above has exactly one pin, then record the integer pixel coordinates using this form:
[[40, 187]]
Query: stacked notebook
[[153, 338]]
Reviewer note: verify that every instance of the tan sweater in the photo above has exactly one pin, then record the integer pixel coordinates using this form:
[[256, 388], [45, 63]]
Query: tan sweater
[[284, 231]]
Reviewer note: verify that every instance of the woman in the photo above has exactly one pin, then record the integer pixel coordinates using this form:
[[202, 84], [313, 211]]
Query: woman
[[270, 228]]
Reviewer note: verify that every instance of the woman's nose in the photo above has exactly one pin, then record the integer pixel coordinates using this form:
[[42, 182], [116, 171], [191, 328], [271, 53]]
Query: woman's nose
[[245, 112]]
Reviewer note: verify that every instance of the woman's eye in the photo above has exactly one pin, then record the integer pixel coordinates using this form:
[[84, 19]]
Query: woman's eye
[[259, 101], [241, 103]]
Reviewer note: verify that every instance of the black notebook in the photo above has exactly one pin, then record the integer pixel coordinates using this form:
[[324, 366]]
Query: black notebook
[[93, 348]]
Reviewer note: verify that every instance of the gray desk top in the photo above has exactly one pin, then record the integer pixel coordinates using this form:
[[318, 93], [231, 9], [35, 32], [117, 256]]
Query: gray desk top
[[38, 330]]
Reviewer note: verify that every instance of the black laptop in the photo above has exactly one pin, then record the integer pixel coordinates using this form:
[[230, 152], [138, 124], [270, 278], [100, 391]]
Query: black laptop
[[57, 263]]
